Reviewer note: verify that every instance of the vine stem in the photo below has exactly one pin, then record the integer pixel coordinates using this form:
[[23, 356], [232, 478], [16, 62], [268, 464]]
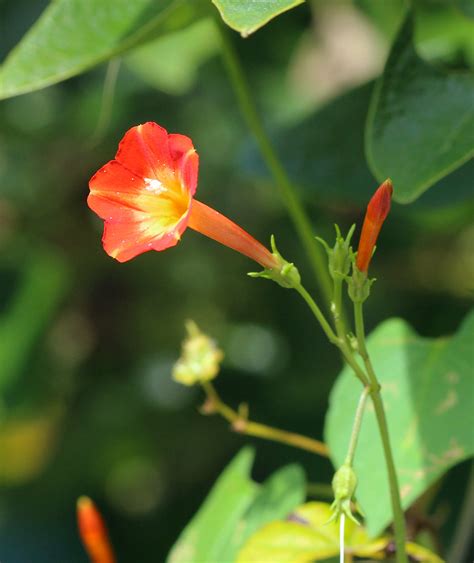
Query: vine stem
[[242, 425], [336, 309], [356, 426], [290, 198], [398, 517], [341, 343]]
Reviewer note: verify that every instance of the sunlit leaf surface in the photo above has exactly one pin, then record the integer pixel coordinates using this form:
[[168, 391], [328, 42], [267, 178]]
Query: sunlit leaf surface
[[427, 392]]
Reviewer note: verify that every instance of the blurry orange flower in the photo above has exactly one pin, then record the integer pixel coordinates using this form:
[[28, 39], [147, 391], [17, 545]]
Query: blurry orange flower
[[377, 211], [145, 196], [93, 532]]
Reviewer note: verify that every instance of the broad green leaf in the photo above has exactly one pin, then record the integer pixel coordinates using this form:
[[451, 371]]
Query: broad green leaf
[[171, 63], [276, 498], [246, 16], [74, 35], [427, 389], [307, 537], [234, 509], [208, 533], [43, 284], [421, 120]]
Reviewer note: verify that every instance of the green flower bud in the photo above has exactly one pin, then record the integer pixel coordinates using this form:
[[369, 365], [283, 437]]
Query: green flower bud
[[341, 256], [344, 484], [200, 358]]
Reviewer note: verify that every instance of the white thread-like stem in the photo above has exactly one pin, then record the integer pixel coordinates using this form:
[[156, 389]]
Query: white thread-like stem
[[342, 523]]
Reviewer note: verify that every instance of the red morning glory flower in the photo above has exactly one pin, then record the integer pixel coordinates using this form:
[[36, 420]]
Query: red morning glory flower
[[377, 211], [146, 198]]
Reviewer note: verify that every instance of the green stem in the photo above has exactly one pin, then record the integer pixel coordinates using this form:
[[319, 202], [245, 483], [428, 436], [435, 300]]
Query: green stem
[[244, 426], [356, 427], [398, 516], [328, 331], [332, 337], [336, 309], [290, 198]]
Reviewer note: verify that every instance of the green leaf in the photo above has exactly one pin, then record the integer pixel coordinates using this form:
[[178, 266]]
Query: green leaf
[[171, 63], [206, 536], [277, 497], [427, 392], [235, 508], [307, 537], [72, 36], [421, 121], [246, 16]]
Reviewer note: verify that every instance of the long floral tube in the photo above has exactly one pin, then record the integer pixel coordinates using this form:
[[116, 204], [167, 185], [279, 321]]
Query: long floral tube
[[216, 226]]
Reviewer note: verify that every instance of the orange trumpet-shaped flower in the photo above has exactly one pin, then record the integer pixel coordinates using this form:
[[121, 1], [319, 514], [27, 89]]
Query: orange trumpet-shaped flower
[[377, 211], [93, 532], [145, 196]]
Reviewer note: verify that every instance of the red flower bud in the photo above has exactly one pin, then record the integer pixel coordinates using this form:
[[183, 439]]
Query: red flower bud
[[377, 211], [93, 532]]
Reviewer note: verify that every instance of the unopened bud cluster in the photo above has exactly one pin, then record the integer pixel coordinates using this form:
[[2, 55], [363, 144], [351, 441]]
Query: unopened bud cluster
[[200, 358]]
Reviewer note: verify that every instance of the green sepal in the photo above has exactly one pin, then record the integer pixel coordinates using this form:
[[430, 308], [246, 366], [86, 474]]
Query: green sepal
[[359, 285], [341, 256], [285, 274]]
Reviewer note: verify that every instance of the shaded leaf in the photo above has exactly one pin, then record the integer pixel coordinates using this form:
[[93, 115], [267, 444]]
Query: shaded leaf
[[246, 16], [324, 155], [421, 121], [74, 35], [427, 392]]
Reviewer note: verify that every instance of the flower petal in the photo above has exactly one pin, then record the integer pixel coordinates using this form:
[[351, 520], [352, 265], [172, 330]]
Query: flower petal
[[144, 150], [124, 241], [186, 160], [144, 195]]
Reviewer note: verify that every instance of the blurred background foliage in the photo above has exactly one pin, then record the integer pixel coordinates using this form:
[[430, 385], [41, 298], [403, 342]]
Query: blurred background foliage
[[87, 405]]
